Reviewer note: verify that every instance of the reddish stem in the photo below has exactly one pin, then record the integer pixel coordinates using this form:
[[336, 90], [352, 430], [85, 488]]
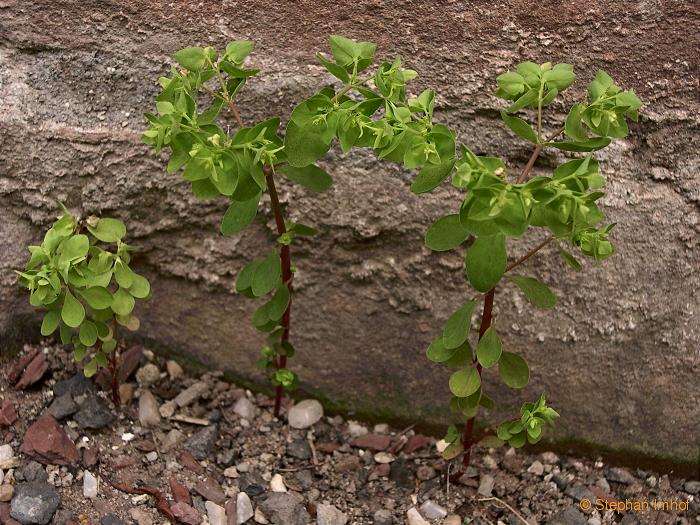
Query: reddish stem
[[486, 319], [286, 262]]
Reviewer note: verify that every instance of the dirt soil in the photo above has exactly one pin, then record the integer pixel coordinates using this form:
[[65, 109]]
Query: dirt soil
[[335, 471]]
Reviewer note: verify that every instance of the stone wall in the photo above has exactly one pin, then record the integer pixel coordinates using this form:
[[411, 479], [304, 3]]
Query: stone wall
[[619, 357]]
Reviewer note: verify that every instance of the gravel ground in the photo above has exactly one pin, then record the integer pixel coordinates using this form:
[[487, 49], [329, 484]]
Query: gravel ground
[[199, 450]]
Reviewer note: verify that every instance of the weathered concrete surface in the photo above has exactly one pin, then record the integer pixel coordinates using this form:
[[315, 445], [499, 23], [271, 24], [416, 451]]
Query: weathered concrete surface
[[619, 358]]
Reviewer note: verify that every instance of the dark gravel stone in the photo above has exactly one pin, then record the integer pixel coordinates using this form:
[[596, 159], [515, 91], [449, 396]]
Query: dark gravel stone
[[34, 503], [620, 475], [110, 519], [300, 449], [226, 457], [93, 413], [63, 406], [78, 385], [32, 471], [201, 443], [282, 508], [252, 484], [402, 474]]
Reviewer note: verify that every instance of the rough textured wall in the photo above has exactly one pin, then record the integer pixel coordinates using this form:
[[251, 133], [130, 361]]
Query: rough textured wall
[[619, 357]]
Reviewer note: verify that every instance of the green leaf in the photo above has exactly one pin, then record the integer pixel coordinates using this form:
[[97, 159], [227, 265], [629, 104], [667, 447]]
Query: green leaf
[[488, 351], [88, 333], [437, 352], [140, 287], [66, 334], [465, 382], [267, 275], [90, 369], [304, 146], [457, 326], [50, 322], [310, 177], [491, 441], [432, 175], [73, 311], [192, 58], [520, 127], [238, 50], [486, 261], [123, 274], [245, 276], [513, 370], [573, 126], [108, 230], [333, 68], [570, 259], [592, 144], [97, 297], [528, 99], [536, 292], [123, 302], [239, 215], [446, 234], [278, 304], [74, 248]]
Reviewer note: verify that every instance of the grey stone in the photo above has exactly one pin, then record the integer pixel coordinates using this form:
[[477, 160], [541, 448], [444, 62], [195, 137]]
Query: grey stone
[[149, 416], [58, 139], [93, 413], [201, 443], [692, 487], [215, 513], [245, 408], [62, 517], [578, 492], [252, 484], [432, 510], [383, 517], [63, 406], [402, 474], [76, 385], [32, 471], [413, 517], [620, 475], [244, 508], [486, 485], [191, 394], [568, 516], [299, 448], [330, 515], [305, 413], [34, 503], [110, 519], [284, 508]]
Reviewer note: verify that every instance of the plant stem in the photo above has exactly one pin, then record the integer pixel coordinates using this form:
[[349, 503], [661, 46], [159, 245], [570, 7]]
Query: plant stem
[[116, 398], [529, 254], [486, 318], [285, 260]]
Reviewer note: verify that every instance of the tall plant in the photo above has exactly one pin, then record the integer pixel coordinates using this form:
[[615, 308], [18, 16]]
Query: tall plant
[[81, 275], [499, 207], [240, 166]]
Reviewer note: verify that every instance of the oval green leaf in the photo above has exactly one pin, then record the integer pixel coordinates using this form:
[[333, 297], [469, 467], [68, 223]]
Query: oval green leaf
[[123, 302], [446, 234], [465, 382], [88, 333], [267, 275], [457, 326], [536, 292], [73, 312], [50, 322], [97, 297], [489, 349], [513, 370], [486, 261], [239, 215], [310, 177]]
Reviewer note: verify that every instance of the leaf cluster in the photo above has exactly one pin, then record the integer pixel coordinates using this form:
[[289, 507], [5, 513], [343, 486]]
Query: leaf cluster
[[80, 274]]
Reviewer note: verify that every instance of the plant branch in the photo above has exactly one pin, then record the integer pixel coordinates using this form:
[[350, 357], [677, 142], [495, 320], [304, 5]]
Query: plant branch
[[529, 254], [285, 260], [486, 319], [536, 153], [517, 514]]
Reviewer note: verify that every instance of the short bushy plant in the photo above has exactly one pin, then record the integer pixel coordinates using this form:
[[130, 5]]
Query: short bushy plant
[[499, 208], [80, 274]]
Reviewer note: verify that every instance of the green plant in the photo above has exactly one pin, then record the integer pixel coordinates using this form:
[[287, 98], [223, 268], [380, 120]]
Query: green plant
[[496, 210], [240, 166], [80, 274], [243, 165]]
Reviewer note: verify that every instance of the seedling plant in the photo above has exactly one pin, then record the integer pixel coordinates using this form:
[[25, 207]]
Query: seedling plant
[[80, 275]]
